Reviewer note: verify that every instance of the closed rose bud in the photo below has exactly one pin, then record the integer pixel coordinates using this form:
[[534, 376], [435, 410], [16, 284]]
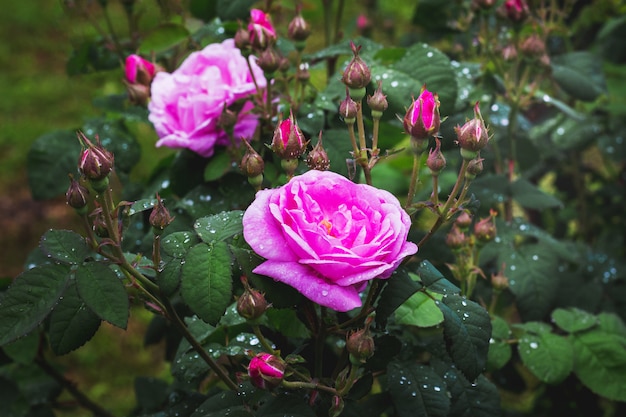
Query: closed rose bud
[[360, 345], [499, 281], [509, 53], [357, 74], [422, 119], [455, 239], [139, 70], [463, 221], [269, 60], [485, 229], [298, 29], [252, 163], [288, 141], [242, 39], [266, 371], [436, 161], [262, 32], [77, 196], [348, 109], [474, 168], [318, 158], [160, 217], [138, 93], [472, 136], [515, 10], [95, 162], [533, 46], [252, 304], [378, 101]]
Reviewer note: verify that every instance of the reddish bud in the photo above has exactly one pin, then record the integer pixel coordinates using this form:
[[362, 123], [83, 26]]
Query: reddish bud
[[242, 38], [378, 101], [288, 141], [252, 163], [95, 162], [485, 229], [139, 71], [509, 53], [348, 109], [266, 371], [77, 196], [455, 239], [474, 168], [499, 281], [360, 345], [515, 10], [436, 161], [261, 30], [533, 46], [252, 304], [463, 221], [318, 158], [422, 119], [473, 135], [269, 60], [159, 217], [298, 29], [357, 74]]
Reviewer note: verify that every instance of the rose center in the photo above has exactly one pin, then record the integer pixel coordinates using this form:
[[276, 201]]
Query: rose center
[[328, 226]]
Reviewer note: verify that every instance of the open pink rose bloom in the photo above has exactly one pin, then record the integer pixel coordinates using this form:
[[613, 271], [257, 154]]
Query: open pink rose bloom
[[186, 105], [327, 236]]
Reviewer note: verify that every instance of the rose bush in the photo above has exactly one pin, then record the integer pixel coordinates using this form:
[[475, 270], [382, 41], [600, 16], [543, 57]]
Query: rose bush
[[327, 236], [186, 104]]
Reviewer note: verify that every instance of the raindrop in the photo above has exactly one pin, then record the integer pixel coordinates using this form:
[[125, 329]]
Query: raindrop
[[429, 54], [512, 267], [533, 345], [436, 388], [324, 293], [535, 257], [394, 83]]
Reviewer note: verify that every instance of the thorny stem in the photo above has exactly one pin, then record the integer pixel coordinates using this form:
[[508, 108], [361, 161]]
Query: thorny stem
[[309, 385], [435, 195], [257, 331], [82, 399], [320, 338], [178, 322], [355, 146], [414, 177], [362, 153]]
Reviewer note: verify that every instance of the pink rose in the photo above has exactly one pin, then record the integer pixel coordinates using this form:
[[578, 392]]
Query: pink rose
[[139, 70], [262, 32], [422, 119], [327, 236], [186, 105], [266, 371]]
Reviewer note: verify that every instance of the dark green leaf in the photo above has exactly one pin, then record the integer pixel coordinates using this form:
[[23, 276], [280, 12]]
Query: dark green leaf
[[169, 278], [24, 349], [162, 38], [369, 49], [115, 137], [203, 9], [573, 320], [499, 347], [142, 205], [234, 9], [398, 288], [467, 330], [30, 299], [579, 74], [434, 281], [103, 292], [64, 246], [219, 227], [151, 393], [206, 281], [286, 322], [177, 244], [286, 404], [529, 196], [417, 390], [218, 166], [600, 357], [548, 356], [50, 159], [72, 323]]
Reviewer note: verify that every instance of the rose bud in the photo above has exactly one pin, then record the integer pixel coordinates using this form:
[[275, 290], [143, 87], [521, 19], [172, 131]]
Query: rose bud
[[266, 371], [138, 70], [95, 162], [252, 304], [422, 119], [288, 141], [269, 60], [357, 74], [159, 217], [436, 161], [515, 10], [348, 109], [533, 46], [474, 168], [463, 221], [242, 38], [262, 32], [298, 29], [509, 53], [318, 158], [455, 239], [485, 229], [499, 281], [77, 196], [99, 224], [378, 101], [360, 345], [472, 136]]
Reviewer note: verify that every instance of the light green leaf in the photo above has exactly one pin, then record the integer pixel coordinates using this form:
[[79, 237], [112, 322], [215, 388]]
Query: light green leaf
[[218, 166], [162, 38], [30, 299], [206, 280], [103, 292], [177, 244], [573, 320], [579, 74], [419, 310], [548, 356]]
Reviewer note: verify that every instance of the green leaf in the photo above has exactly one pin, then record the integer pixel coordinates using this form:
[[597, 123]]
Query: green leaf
[[219, 227], [573, 320], [29, 300], [419, 310], [141, 206], [24, 349], [548, 356], [285, 404], [398, 288], [72, 323], [223, 404], [203, 10], [103, 292], [600, 362], [337, 145], [218, 166], [177, 244], [434, 281], [286, 322], [499, 349], [169, 278], [416, 390], [50, 159], [427, 65], [234, 9], [64, 246], [162, 38], [151, 393], [467, 330], [580, 74], [529, 196], [206, 281]]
